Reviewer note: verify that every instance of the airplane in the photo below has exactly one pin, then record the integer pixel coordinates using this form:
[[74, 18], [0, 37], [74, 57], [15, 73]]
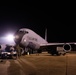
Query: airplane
[[27, 38]]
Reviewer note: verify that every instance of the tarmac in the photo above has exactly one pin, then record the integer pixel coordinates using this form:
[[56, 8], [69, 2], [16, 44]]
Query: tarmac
[[42, 64]]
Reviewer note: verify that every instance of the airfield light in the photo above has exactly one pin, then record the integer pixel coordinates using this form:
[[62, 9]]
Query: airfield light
[[10, 37]]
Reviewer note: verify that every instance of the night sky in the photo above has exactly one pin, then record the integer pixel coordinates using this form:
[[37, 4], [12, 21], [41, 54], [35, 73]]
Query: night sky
[[60, 21]]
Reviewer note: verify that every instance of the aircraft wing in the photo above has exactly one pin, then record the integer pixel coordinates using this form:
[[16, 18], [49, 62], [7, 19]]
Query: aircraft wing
[[49, 44]]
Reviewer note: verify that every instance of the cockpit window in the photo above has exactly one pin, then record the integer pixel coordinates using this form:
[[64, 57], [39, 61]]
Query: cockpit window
[[23, 32]]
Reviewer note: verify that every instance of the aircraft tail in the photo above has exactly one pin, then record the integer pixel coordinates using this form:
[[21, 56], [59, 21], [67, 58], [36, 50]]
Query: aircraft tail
[[46, 34]]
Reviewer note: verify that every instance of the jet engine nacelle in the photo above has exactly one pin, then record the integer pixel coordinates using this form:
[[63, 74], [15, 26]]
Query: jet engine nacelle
[[67, 47]]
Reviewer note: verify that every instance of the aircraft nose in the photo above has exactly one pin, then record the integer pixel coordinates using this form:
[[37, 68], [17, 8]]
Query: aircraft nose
[[18, 37]]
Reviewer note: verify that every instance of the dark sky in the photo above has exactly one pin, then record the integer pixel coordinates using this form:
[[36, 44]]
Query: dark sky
[[59, 19]]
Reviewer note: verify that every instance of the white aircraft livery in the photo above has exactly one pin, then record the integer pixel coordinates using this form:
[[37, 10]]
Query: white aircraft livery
[[29, 39]]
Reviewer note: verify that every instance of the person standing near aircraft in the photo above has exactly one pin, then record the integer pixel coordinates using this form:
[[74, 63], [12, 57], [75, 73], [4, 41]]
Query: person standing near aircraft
[[38, 51], [18, 50], [12, 50], [1, 54]]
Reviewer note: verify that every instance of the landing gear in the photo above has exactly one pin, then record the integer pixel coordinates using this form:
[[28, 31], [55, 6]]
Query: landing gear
[[55, 52]]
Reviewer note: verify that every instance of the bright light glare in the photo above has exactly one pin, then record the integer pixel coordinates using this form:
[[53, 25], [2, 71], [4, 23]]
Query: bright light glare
[[10, 37]]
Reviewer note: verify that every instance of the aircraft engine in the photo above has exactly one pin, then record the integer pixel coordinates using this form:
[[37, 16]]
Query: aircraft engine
[[67, 47]]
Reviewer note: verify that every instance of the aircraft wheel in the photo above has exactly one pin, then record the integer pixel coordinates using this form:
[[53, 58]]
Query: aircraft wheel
[[64, 53], [52, 54]]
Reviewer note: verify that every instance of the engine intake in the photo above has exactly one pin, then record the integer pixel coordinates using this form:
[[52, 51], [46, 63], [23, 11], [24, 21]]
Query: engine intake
[[67, 47]]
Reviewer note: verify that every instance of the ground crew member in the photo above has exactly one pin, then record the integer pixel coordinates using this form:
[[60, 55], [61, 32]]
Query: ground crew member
[[12, 50], [1, 54], [18, 49]]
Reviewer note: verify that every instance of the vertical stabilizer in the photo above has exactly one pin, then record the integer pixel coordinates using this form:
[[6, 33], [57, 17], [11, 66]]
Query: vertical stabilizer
[[46, 34]]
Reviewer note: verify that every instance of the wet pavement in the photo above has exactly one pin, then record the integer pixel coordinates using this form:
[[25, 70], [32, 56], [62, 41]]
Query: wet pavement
[[44, 64]]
